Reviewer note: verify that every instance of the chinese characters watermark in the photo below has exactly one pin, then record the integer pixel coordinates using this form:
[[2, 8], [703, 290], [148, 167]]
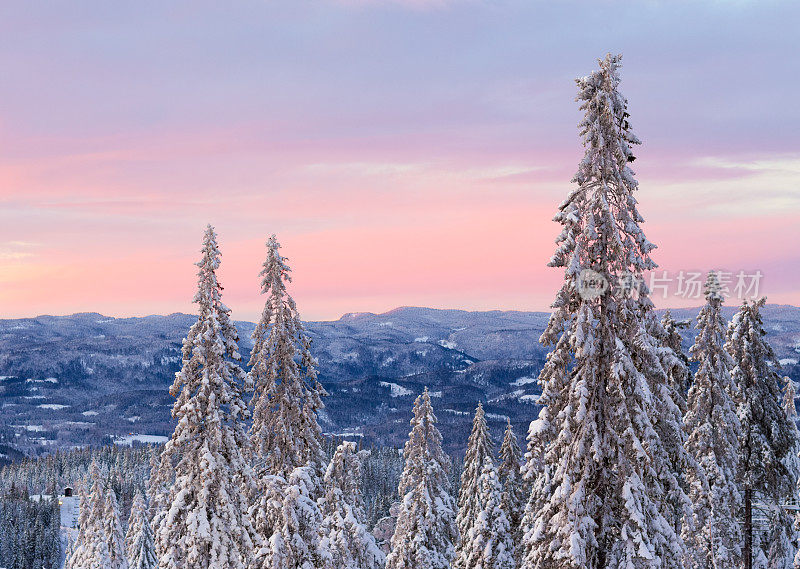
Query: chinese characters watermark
[[690, 285]]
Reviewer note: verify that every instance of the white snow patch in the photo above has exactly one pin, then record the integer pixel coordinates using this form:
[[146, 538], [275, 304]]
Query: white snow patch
[[497, 417], [530, 398], [523, 381], [787, 361], [435, 393], [383, 324], [447, 344], [351, 432], [461, 413], [89, 413], [149, 439], [397, 390], [421, 339], [422, 353], [513, 395], [52, 406]]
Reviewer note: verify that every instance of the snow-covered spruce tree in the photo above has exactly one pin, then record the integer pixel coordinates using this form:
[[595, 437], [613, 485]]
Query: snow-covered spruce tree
[[206, 525], [69, 551], [157, 490], [286, 437], [536, 479], [766, 436], [139, 538], [426, 531], [91, 546], [713, 536], [679, 372], [513, 498], [285, 432], [613, 478], [674, 339], [115, 538], [668, 417], [489, 544], [289, 509], [783, 541], [479, 447], [346, 537]]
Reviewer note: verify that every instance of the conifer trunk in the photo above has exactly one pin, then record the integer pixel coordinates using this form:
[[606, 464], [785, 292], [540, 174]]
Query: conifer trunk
[[748, 528]]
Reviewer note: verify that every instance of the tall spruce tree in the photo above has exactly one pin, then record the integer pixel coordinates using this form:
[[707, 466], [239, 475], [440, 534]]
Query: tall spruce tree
[[286, 437], [783, 538], [206, 524], [513, 499], [713, 535], [139, 538], [479, 447], [425, 533], [287, 398], [346, 537], [489, 544], [612, 424], [766, 436]]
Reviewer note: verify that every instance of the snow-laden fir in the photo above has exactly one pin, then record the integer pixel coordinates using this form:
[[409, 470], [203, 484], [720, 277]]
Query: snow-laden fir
[[203, 472], [350, 544], [714, 536], [513, 492], [285, 435], [91, 547], [479, 449], [426, 533], [766, 436], [489, 541], [139, 537], [610, 429]]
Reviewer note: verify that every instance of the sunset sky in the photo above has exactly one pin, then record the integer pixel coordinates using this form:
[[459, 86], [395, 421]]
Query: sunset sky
[[404, 152]]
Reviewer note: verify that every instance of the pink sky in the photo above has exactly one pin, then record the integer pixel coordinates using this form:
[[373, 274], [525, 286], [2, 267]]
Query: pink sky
[[405, 154]]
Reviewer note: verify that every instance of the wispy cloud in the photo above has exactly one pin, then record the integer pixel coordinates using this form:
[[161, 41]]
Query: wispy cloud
[[789, 164], [16, 250]]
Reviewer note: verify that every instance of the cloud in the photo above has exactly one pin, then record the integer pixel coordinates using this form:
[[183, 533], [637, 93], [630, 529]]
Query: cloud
[[16, 250], [784, 164]]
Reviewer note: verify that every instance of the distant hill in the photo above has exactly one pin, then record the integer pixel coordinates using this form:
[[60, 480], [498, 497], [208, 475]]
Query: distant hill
[[83, 378]]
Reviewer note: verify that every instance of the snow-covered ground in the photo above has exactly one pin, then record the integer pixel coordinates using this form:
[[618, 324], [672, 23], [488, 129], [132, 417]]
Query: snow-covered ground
[[397, 390], [149, 439]]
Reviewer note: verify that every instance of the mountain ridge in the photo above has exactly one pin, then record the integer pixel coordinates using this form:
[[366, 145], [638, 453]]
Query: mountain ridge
[[82, 378]]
